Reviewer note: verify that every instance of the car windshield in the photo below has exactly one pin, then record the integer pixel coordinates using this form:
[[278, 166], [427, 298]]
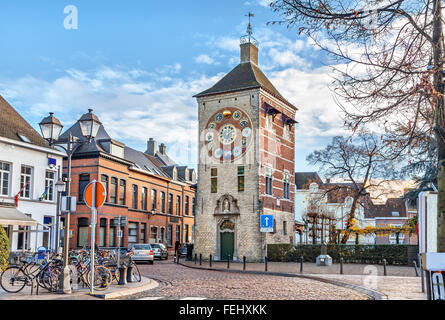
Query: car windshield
[[142, 247]]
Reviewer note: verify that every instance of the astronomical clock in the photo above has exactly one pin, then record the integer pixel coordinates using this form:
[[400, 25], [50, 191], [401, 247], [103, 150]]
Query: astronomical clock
[[228, 134]]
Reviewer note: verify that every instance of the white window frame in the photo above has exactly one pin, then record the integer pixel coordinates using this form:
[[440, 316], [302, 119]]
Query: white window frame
[[2, 180], [29, 187], [50, 183]]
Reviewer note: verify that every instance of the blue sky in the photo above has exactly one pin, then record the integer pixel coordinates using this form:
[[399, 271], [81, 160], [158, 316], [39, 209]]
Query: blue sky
[[138, 63]]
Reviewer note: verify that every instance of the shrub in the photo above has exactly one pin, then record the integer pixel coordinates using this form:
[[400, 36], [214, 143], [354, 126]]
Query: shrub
[[4, 249], [367, 254]]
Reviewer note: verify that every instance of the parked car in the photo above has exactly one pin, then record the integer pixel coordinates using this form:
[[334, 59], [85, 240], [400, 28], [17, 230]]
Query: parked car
[[183, 250], [160, 251], [143, 252]]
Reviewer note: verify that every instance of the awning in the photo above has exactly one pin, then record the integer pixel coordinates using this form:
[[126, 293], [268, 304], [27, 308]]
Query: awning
[[9, 215]]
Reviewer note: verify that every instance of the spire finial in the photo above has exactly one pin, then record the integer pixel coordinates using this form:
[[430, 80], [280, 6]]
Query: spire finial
[[249, 36]]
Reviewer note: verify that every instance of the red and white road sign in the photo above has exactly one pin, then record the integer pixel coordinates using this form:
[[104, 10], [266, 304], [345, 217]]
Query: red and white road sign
[[100, 194]]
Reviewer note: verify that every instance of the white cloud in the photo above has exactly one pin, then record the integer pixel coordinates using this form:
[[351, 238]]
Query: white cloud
[[203, 58]]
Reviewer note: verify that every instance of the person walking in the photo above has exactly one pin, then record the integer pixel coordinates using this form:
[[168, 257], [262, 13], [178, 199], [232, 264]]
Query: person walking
[[177, 246]]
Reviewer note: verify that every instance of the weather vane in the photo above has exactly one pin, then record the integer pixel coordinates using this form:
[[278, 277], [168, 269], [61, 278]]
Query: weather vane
[[249, 37]]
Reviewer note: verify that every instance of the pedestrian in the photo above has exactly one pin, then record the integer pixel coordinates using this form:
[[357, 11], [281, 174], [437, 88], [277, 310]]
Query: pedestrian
[[177, 246]]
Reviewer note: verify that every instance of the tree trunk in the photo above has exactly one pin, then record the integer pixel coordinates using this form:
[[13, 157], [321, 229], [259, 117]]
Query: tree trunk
[[351, 216], [439, 120]]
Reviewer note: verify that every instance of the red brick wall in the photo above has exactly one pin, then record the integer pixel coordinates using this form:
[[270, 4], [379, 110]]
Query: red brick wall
[[102, 166]]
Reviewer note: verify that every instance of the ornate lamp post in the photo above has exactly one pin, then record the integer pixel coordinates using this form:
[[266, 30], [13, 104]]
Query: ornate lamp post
[[51, 129]]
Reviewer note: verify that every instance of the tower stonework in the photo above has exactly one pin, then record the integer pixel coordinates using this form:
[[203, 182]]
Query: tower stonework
[[246, 163]]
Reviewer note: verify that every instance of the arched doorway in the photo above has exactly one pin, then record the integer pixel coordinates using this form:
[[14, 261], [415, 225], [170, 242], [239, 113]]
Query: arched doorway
[[226, 232]]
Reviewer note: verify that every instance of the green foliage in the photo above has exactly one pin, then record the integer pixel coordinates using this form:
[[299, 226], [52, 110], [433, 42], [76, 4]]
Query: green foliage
[[4, 249], [366, 254]]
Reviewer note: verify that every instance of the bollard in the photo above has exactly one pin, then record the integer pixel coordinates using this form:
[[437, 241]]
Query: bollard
[[196, 257], [301, 264], [129, 274], [265, 263], [122, 275], [244, 263], [200, 259], [228, 261], [415, 267], [341, 265], [384, 267], [210, 261], [177, 257]]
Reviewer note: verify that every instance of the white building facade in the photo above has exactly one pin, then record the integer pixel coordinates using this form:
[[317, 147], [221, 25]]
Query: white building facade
[[31, 170]]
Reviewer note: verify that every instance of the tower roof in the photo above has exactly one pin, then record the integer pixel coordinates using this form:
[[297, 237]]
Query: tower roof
[[245, 76]]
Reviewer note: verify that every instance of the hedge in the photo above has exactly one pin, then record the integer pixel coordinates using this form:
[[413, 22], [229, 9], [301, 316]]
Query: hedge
[[4, 249], [366, 254]]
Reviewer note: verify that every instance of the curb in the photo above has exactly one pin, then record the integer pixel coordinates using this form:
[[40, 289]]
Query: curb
[[375, 295], [150, 284]]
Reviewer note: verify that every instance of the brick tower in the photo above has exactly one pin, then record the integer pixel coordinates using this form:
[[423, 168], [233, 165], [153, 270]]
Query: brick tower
[[246, 162]]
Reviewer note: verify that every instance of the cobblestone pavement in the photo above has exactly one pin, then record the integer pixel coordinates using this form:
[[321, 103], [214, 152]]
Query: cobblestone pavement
[[396, 288], [179, 282], [400, 283]]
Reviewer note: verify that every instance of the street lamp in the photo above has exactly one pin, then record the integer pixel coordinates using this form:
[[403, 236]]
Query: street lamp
[[51, 129]]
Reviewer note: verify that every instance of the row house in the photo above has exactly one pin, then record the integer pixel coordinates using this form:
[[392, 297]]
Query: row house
[[155, 194], [29, 170]]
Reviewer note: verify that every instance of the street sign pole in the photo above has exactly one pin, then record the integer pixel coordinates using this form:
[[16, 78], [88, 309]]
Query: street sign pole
[[119, 242], [93, 237]]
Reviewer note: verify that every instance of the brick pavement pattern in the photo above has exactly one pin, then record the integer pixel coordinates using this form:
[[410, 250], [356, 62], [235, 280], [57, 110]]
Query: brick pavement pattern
[[177, 281]]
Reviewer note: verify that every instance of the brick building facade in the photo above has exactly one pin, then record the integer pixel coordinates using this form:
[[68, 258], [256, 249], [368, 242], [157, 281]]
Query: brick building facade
[[154, 193], [246, 163]]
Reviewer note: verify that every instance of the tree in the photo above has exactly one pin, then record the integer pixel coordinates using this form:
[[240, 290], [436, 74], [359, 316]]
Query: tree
[[364, 160], [391, 72], [4, 249]]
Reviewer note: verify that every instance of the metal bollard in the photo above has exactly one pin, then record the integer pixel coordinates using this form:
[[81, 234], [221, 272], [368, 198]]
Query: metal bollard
[[200, 259], [415, 267], [244, 263], [341, 265], [265, 263], [129, 274], [177, 257], [384, 267], [210, 261], [301, 264], [228, 261], [122, 275], [196, 257]]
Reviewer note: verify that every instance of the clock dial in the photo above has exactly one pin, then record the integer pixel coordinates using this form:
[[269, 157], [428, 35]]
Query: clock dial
[[228, 134]]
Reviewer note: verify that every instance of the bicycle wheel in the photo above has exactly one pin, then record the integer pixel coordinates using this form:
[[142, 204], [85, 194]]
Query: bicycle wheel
[[102, 278], [13, 279], [135, 273]]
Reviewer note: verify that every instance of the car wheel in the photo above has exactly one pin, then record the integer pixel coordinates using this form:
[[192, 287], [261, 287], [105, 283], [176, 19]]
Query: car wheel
[[150, 261]]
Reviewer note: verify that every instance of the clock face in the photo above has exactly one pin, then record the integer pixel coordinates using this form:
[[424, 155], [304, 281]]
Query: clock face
[[228, 134]]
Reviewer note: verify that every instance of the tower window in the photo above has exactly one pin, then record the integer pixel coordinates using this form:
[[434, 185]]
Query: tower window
[[269, 180], [214, 180], [241, 179]]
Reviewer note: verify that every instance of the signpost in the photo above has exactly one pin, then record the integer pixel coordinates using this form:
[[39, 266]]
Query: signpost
[[266, 225], [121, 221], [94, 196]]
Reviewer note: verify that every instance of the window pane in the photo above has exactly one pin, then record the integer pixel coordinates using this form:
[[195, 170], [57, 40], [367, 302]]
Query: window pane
[[214, 185], [214, 172], [241, 183]]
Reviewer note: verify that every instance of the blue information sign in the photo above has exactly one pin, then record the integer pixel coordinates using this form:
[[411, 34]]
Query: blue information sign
[[266, 223]]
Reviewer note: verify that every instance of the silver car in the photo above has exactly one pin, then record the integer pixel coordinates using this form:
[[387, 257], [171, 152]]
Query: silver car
[[142, 252]]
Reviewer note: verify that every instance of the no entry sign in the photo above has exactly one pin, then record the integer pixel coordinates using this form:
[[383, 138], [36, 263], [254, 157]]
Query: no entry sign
[[97, 190]]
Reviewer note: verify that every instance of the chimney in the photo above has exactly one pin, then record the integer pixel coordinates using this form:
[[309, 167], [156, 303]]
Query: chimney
[[162, 149], [151, 147], [249, 53]]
